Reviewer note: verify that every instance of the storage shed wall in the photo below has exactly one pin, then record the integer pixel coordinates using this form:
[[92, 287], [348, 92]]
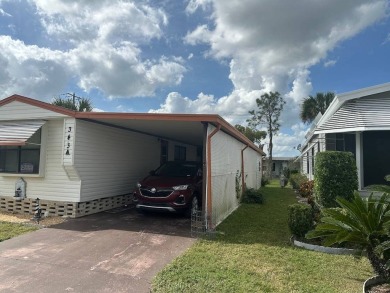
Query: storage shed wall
[[252, 168], [226, 170], [110, 160], [54, 184]]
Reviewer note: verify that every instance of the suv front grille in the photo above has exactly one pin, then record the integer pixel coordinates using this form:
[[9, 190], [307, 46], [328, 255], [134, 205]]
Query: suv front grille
[[158, 193]]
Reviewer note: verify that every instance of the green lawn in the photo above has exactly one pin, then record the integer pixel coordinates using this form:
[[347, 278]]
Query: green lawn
[[252, 254], [9, 230]]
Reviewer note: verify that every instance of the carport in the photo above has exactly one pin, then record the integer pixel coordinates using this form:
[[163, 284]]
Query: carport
[[92, 160], [219, 145]]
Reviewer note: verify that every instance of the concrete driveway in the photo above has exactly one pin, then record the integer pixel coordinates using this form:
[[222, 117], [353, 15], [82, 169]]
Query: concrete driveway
[[105, 252]]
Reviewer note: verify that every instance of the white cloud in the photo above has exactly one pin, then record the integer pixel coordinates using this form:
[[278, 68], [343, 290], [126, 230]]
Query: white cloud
[[111, 21], [123, 109], [102, 42], [194, 5], [3, 13], [30, 70], [330, 63], [234, 107], [97, 110], [387, 39]]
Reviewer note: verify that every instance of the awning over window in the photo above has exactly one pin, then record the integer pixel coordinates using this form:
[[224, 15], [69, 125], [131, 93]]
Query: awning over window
[[18, 132]]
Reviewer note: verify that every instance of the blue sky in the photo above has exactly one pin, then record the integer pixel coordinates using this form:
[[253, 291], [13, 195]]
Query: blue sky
[[194, 56]]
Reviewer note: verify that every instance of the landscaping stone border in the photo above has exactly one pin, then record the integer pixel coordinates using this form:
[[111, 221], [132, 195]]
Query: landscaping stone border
[[372, 281], [329, 250]]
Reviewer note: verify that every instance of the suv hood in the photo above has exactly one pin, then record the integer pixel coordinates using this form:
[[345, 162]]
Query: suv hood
[[160, 181]]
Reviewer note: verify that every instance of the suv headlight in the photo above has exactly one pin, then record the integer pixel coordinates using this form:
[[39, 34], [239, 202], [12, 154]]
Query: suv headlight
[[180, 187], [138, 184]]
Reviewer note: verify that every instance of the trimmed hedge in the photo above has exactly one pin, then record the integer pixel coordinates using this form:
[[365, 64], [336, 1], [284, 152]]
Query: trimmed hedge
[[252, 195], [300, 219], [336, 175]]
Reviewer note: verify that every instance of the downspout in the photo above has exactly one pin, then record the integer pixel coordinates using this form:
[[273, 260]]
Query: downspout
[[209, 201], [243, 169]]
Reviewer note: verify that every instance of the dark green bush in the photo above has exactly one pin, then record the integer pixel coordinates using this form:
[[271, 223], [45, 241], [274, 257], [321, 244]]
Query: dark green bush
[[297, 179], [264, 181], [252, 195], [300, 219], [294, 172], [336, 175]]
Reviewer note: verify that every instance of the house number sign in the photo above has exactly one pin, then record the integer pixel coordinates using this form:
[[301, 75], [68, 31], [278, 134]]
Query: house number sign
[[69, 133], [68, 141]]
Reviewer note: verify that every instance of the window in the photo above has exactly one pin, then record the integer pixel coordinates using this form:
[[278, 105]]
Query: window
[[307, 163], [273, 167], [312, 160], [22, 159], [180, 153], [164, 151]]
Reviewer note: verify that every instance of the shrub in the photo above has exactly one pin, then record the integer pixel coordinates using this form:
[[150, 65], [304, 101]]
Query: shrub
[[300, 219], [264, 181], [361, 222], [252, 195], [294, 172], [306, 189], [336, 175], [297, 179]]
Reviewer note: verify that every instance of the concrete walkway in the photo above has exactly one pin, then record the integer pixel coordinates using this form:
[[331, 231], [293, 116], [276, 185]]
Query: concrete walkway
[[105, 252]]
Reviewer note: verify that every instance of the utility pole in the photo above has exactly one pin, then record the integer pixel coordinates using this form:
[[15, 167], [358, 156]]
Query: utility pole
[[74, 98]]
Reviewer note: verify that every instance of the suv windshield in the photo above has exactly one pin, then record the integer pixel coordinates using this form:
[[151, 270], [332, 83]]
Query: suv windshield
[[176, 169]]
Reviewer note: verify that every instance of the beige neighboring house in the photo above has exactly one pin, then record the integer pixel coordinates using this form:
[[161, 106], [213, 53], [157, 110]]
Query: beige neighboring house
[[79, 163], [277, 166]]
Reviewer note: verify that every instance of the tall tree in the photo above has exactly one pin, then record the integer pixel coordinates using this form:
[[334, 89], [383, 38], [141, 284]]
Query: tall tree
[[252, 134], [311, 106], [269, 107], [74, 103]]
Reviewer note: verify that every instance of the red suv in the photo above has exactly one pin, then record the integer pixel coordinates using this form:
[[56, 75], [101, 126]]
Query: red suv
[[174, 187]]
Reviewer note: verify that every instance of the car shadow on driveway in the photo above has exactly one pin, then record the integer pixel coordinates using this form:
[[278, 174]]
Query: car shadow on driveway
[[128, 219]]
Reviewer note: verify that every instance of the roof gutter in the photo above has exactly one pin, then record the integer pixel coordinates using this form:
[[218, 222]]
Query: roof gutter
[[208, 200]]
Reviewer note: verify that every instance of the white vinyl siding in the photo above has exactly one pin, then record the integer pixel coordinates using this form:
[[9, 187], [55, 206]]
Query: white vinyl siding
[[54, 183], [225, 164], [21, 111], [110, 161]]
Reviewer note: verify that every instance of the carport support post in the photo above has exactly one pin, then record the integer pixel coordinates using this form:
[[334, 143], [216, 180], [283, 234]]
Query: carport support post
[[209, 209], [243, 169]]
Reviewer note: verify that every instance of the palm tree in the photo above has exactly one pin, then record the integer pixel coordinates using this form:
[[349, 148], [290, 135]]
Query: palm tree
[[311, 106], [362, 222], [82, 104]]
